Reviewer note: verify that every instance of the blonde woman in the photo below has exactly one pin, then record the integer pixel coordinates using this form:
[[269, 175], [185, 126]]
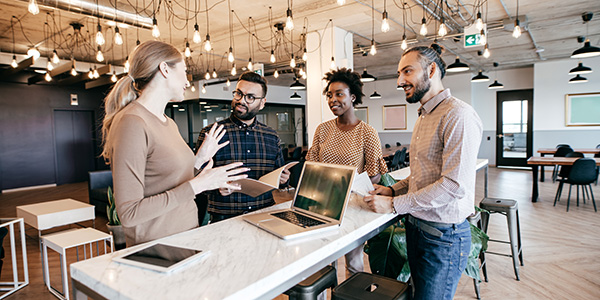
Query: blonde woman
[[153, 168]]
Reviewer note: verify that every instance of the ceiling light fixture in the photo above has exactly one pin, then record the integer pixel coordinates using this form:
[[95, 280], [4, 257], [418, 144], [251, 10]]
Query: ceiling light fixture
[[113, 78], [49, 66], [214, 73], [193, 87], [33, 7], [33, 51], [385, 24], [479, 21], [230, 56], [495, 84], [486, 51], [55, 58], [457, 66], [233, 70], [196, 38], [517, 30], [586, 51], [289, 22], [73, 71], [204, 88], [580, 69], [366, 77], [480, 77], [404, 44], [295, 96], [228, 82], [187, 52], [375, 95], [126, 65], [297, 85], [118, 37], [399, 87], [578, 79], [276, 74], [373, 50], [155, 30], [341, 2], [423, 30], [49, 78], [14, 63], [293, 61], [99, 55]]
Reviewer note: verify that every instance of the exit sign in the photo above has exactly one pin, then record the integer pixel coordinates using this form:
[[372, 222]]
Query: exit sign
[[472, 36], [472, 40]]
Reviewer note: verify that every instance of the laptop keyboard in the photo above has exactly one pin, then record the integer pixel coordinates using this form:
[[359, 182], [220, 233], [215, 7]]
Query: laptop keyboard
[[298, 219]]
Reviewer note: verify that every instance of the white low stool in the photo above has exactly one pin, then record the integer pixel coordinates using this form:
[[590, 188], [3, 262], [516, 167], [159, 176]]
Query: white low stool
[[64, 240]]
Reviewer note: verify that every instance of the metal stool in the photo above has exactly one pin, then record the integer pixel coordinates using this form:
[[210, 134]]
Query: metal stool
[[366, 286], [510, 209], [64, 240], [311, 287], [475, 220]]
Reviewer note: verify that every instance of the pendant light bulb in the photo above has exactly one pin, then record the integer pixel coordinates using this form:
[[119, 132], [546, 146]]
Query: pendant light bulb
[[188, 51], [276, 74], [486, 52], [99, 55], [303, 76], [207, 75], [91, 74], [385, 24], [289, 23], [404, 44], [228, 83], [341, 2], [48, 77], [517, 30], [207, 45], [373, 50], [14, 63], [96, 74], [197, 38], [233, 71], [99, 36], [272, 57], [230, 57], [73, 71], [250, 65], [479, 22], [214, 73], [155, 30], [55, 58], [126, 66], [332, 66], [49, 66], [204, 89], [193, 88], [118, 37], [113, 78], [33, 7], [33, 51], [305, 55], [293, 62], [443, 30], [423, 30]]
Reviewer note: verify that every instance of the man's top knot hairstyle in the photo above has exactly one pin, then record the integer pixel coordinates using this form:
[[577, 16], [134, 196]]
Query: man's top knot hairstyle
[[348, 77], [428, 55], [255, 78]]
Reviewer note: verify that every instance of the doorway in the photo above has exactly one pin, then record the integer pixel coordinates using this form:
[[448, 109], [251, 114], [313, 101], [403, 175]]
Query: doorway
[[514, 127], [74, 143]]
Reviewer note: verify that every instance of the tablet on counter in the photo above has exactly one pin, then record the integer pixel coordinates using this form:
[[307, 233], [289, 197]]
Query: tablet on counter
[[161, 257]]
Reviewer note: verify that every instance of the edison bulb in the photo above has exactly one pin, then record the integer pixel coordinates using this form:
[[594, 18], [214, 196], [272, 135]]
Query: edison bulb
[[33, 7], [443, 30], [99, 56], [272, 57], [48, 77], [230, 57], [423, 30], [276, 74], [14, 63]]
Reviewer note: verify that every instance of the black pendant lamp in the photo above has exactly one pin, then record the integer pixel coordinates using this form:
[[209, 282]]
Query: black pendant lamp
[[580, 69], [297, 85], [399, 87], [480, 77], [586, 51], [295, 96], [495, 85], [375, 95], [366, 77], [578, 79], [457, 66]]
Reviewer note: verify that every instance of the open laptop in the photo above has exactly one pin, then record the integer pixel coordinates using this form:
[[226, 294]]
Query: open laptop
[[319, 204]]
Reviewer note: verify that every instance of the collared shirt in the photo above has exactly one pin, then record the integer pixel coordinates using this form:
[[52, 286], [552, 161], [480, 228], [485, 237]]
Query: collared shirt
[[443, 156], [257, 146]]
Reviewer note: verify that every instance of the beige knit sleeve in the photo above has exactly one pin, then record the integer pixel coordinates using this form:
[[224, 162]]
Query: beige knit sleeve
[[374, 162], [313, 152]]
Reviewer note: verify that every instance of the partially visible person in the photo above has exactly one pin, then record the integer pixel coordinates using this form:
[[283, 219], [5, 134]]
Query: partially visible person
[[346, 140], [153, 168], [252, 142], [439, 193]]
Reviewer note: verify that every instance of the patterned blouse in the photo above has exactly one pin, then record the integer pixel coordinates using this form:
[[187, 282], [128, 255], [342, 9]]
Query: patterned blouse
[[359, 147]]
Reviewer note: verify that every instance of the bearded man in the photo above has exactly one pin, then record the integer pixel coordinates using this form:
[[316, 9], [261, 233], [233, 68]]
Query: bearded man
[[251, 142], [439, 194]]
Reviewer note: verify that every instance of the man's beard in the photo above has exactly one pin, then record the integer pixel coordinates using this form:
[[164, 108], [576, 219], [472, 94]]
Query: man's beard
[[420, 89], [248, 115]]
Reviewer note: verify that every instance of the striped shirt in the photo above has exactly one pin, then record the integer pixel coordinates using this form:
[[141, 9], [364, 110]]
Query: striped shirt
[[443, 156], [257, 146]]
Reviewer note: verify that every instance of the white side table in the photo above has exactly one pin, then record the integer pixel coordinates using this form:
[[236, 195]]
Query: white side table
[[61, 241], [46, 215], [12, 286]]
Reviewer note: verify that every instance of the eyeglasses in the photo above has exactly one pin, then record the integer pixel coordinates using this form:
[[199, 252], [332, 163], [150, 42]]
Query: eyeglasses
[[250, 98]]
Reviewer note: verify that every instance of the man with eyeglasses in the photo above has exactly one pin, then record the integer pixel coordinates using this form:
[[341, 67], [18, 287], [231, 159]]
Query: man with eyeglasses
[[251, 142]]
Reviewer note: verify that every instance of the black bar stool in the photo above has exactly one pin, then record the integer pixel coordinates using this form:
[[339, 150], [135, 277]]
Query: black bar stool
[[510, 209], [311, 287], [366, 286]]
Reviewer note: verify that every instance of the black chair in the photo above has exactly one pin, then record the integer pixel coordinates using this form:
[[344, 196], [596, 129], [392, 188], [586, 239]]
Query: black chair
[[3, 233], [398, 144], [561, 151], [387, 146], [398, 160], [597, 155], [562, 145], [565, 170], [583, 173], [297, 154], [286, 154], [98, 184]]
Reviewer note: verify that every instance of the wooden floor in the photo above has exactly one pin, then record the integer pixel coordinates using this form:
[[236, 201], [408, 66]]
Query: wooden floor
[[561, 250]]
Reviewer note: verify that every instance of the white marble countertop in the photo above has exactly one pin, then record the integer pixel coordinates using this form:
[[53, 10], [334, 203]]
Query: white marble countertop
[[405, 172], [244, 262]]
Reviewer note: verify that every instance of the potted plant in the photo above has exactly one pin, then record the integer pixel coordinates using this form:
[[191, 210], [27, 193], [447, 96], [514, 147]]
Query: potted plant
[[114, 224]]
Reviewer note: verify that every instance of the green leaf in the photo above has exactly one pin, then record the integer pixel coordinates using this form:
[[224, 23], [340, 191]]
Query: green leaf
[[387, 180]]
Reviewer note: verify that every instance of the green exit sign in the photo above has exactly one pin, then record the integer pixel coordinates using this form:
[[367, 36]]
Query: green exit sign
[[472, 40]]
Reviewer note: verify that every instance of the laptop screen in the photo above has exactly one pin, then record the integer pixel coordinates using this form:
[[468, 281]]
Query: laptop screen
[[323, 189]]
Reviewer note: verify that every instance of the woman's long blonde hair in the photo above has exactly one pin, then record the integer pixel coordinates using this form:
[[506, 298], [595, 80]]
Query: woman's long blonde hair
[[144, 64]]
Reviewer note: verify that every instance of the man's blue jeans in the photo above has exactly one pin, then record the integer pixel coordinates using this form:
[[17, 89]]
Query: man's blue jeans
[[437, 255]]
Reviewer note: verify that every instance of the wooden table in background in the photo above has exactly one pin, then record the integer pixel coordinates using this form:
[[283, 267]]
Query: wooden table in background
[[544, 151], [388, 153], [535, 161]]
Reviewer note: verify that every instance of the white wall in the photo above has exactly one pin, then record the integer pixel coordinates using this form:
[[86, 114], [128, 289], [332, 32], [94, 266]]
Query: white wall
[[275, 94]]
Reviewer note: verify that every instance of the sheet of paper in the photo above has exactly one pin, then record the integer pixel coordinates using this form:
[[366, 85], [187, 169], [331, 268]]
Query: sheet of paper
[[362, 184]]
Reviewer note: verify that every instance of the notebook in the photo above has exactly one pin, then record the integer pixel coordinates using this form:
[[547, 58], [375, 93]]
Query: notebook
[[319, 203]]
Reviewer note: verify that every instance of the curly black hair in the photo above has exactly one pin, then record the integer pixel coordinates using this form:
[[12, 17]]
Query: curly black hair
[[348, 77]]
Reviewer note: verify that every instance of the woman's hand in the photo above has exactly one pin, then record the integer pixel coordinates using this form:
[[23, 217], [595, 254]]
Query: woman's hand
[[219, 178], [210, 145]]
